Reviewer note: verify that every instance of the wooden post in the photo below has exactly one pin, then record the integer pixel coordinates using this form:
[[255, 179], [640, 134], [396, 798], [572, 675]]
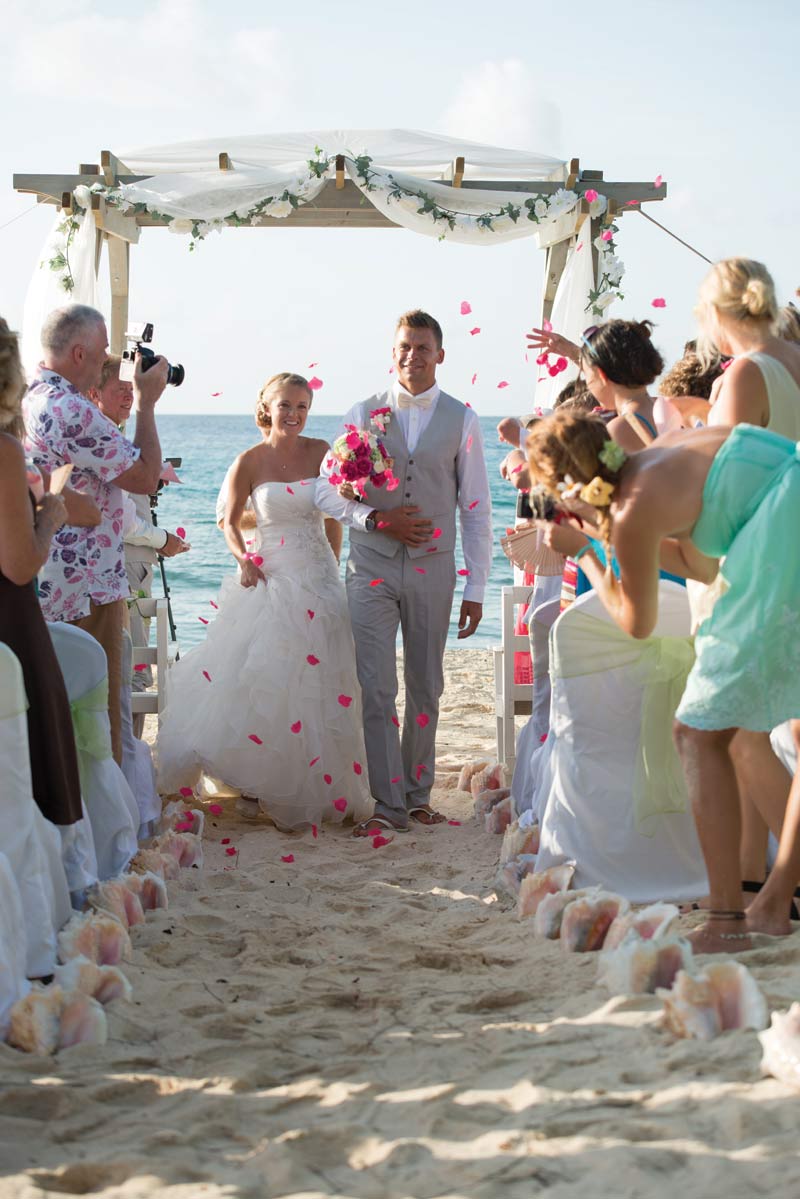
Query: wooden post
[[554, 265], [225, 162], [340, 172], [458, 172], [574, 173], [118, 264]]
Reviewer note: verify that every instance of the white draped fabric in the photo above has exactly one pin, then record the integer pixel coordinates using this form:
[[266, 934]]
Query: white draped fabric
[[29, 841], [569, 315], [137, 761], [112, 809], [598, 732], [13, 945]]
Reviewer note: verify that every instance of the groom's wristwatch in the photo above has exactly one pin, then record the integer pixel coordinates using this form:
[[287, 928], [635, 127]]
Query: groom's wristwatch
[[371, 523]]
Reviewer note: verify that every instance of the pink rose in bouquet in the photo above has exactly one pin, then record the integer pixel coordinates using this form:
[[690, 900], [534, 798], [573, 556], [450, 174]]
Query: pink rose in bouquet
[[361, 458]]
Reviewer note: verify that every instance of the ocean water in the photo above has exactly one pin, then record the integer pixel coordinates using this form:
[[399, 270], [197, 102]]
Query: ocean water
[[208, 445]]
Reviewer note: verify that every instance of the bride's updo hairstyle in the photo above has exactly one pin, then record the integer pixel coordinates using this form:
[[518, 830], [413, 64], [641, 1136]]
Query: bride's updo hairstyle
[[12, 380], [624, 352], [271, 388], [566, 451], [735, 289]]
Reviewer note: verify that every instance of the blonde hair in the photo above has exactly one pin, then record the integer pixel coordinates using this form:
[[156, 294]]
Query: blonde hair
[[740, 289], [12, 380], [788, 323], [274, 384], [569, 442], [110, 370]]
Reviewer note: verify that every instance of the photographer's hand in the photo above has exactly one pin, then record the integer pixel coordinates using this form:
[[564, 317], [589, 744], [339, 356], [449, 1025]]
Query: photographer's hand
[[142, 478], [148, 385], [172, 546]]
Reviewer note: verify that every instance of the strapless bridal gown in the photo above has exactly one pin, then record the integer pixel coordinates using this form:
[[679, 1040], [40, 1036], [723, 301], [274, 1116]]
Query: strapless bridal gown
[[270, 703]]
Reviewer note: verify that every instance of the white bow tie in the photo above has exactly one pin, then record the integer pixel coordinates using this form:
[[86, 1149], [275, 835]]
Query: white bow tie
[[404, 400]]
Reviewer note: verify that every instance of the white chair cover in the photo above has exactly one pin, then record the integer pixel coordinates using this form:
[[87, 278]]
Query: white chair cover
[[137, 761], [13, 945], [530, 742], [783, 745], [109, 800], [616, 782], [29, 841]]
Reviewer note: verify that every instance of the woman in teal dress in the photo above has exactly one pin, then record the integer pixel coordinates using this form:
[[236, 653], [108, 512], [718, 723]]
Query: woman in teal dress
[[690, 499]]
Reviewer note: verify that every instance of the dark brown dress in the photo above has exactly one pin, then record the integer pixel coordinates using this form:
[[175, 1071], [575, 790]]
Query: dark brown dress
[[54, 761]]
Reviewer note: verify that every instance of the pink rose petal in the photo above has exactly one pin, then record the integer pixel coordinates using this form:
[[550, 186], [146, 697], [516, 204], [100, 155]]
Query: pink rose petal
[[474, 377], [213, 605], [477, 329], [423, 720], [311, 366], [340, 804], [561, 363], [186, 792], [313, 762], [257, 560], [314, 831], [282, 541], [542, 359], [469, 443], [395, 721], [379, 841], [466, 308], [255, 738], [291, 492], [182, 826], [463, 573], [658, 181], [231, 850], [296, 727], [659, 302], [376, 582], [225, 841], [454, 822], [345, 700], [314, 383], [395, 780], [188, 816], [543, 738], [287, 857], [214, 394], [591, 195], [419, 771], [420, 570], [202, 620], [215, 809], [431, 550], [436, 534], [579, 247], [552, 371], [312, 660], [310, 614], [503, 383], [328, 779], [180, 532], [140, 666], [547, 326], [383, 524], [357, 768], [474, 504]]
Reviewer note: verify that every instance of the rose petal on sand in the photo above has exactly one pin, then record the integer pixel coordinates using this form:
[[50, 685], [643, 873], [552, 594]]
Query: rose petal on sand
[[254, 737], [312, 660], [287, 857], [345, 700], [215, 809], [658, 302], [454, 822], [357, 768], [423, 720], [376, 582], [340, 804], [314, 383], [466, 308], [379, 841], [230, 851], [296, 727], [186, 792], [463, 573], [225, 841], [328, 779], [180, 532]]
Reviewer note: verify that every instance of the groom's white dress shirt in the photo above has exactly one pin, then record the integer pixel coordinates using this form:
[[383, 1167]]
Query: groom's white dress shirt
[[413, 414]]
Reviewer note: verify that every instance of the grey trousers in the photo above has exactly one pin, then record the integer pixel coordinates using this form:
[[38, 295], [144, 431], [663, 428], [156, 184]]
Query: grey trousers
[[415, 594]]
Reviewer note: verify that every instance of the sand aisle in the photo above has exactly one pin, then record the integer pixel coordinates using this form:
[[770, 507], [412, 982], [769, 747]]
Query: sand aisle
[[377, 1024]]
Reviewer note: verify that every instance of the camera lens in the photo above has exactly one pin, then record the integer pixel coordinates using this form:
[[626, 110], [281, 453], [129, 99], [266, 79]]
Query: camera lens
[[176, 374]]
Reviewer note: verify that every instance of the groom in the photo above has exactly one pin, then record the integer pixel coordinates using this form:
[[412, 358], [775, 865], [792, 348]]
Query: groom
[[401, 568]]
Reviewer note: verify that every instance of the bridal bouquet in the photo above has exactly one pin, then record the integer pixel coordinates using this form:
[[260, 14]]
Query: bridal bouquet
[[362, 458]]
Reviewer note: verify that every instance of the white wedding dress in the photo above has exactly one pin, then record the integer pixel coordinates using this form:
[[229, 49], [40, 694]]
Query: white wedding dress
[[270, 703]]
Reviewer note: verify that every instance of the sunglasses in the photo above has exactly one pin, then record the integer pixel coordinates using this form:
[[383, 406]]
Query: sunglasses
[[587, 333]]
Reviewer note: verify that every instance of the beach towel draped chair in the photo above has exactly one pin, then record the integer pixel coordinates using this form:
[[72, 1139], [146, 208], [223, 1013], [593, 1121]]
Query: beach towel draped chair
[[109, 801], [617, 802], [30, 843]]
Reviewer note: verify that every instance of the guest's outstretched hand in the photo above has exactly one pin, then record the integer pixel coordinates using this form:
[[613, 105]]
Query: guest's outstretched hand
[[553, 343], [469, 618]]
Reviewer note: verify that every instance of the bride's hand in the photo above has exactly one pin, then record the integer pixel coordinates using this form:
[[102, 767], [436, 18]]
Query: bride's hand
[[251, 574]]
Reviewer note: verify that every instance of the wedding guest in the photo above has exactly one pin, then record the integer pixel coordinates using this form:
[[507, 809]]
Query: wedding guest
[[687, 385], [26, 530], [83, 580], [788, 324], [684, 501]]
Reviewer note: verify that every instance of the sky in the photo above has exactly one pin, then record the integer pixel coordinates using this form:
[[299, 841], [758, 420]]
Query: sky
[[701, 92]]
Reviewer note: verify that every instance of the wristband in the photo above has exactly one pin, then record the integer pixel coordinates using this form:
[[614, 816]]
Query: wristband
[[583, 550]]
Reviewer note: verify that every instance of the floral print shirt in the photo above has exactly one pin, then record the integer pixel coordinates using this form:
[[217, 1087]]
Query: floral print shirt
[[61, 425]]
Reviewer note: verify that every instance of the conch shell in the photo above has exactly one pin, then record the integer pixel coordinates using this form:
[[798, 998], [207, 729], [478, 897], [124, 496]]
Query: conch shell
[[534, 888], [486, 800], [49, 1019], [586, 921], [781, 1045], [510, 874], [639, 967], [550, 912], [724, 996], [498, 819], [96, 936], [519, 840], [467, 773], [655, 921]]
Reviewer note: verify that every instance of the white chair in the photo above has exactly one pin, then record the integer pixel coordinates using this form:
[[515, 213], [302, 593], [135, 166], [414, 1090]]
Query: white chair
[[137, 762], [616, 801], [112, 808], [13, 945], [161, 655], [510, 699], [30, 843]]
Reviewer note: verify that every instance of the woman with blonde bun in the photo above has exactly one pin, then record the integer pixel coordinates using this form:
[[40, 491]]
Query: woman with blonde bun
[[688, 500]]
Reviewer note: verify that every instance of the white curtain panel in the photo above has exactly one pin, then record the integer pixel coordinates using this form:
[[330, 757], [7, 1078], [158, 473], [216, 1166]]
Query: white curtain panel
[[569, 316], [13, 945]]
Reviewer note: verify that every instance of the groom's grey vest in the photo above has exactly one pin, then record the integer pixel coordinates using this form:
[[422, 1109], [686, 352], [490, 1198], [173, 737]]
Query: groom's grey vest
[[428, 477]]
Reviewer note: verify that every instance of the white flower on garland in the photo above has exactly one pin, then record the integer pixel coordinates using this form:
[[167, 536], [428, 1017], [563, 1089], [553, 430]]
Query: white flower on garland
[[540, 209], [83, 195], [561, 202], [181, 224], [598, 207], [602, 302], [279, 209], [613, 268]]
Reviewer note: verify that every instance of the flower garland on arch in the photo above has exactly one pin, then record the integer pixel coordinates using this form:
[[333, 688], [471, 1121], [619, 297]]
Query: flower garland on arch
[[538, 208]]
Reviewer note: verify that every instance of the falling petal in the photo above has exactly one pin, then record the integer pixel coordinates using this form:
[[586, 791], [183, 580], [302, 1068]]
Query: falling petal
[[561, 364], [310, 614], [659, 302], [340, 804], [225, 841], [202, 620], [552, 371], [314, 383], [383, 524], [180, 532], [140, 666], [287, 857], [420, 570], [477, 329], [542, 359], [395, 721], [311, 366], [312, 660], [463, 573], [579, 246], [257, 560], [455, 822], [255, 738], [658, 181], [376, 582], [213, 605], [282, 541], [328, 779], [291, 492], [474, 377], [345, 700], [466, 308], [314, 831], [419, 772], [503, 383], [473, 505], [313, 762], [395, 780], [296, 727], [215, 809], [230, 851], [423, 720], [547, 326], [516, 469], [214, 394], [186, 792], [469, 443], [206, 675], [436, 533]]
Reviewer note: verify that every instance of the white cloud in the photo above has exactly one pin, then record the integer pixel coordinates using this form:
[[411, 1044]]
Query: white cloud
[[498, 102], [168, 54]]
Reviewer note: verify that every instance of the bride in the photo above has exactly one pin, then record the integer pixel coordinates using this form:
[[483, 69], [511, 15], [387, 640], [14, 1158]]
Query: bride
[[270, 703]]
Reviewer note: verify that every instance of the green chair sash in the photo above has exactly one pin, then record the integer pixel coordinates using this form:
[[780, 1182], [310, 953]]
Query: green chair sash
[[92, 736]]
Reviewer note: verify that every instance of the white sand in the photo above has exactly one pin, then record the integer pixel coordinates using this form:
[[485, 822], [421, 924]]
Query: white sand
[[377, 1023]]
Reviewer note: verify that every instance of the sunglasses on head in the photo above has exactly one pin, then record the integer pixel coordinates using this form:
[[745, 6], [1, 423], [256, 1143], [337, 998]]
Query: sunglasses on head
[[587, 333]]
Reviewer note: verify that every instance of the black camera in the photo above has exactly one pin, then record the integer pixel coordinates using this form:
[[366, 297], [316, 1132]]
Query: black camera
[[138, 338], [542, 504]]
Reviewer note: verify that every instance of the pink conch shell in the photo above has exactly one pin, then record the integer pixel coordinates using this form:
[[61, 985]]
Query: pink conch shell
[[491, 778], [534, 888], [586, 921], [486, 800], [113, 896], [152, 861], [724, 996], [467, 772], [185, 848], [178, 815], [519, 841], [639, 967], [510, 874], [49, 1019], [102, 983], [150, 888], [656, 921], [551, 908], [96, 936], [781, 1045], [500, 817]]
